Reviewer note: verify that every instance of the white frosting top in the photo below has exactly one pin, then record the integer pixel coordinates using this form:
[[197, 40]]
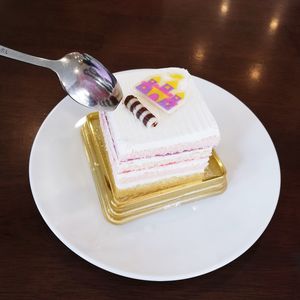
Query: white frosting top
[[185, 128]]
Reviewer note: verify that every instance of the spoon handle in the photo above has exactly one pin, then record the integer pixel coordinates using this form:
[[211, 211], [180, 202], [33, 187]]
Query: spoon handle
[[38, 61]]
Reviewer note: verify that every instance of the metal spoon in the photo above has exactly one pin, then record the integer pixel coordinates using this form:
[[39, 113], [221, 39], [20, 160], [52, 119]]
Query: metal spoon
[[83, 77]]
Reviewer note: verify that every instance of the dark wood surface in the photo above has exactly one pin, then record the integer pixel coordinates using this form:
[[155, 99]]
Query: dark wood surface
[[250, 48]]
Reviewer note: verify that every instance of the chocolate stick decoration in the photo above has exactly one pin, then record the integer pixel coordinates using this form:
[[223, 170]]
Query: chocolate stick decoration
[[140, 111]]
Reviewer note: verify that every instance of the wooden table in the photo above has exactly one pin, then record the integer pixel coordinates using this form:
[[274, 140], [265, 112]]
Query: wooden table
[[250, 48]]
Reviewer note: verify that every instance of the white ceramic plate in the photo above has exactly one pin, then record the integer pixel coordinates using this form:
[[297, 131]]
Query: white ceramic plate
[[177, 243]]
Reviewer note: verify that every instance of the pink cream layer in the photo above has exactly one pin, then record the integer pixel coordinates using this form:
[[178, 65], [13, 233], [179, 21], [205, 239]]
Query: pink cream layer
[[148, 176], [158, 151]]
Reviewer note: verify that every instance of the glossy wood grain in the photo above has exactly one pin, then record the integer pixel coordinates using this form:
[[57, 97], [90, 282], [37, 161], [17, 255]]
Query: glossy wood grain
[[250, 48]]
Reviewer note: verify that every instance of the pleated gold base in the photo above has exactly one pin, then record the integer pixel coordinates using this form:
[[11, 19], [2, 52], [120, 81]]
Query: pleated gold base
[[120, 206]]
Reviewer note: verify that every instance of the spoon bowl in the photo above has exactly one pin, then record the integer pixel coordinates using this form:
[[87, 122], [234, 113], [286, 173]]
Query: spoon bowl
[[83, 77], [88, 82]]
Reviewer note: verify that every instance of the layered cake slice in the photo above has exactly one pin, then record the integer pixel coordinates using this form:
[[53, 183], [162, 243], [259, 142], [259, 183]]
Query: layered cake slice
[[165, 137]]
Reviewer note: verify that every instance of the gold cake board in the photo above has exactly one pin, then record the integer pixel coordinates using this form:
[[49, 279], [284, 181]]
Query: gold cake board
[[120, 206]]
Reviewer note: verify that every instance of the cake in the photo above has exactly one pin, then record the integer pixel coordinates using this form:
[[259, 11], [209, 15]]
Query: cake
[[177, 145]]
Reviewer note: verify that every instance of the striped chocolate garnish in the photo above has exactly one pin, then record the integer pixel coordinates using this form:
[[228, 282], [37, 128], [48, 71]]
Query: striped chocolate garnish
[[140, 111], [128, 98], [134, 105]]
